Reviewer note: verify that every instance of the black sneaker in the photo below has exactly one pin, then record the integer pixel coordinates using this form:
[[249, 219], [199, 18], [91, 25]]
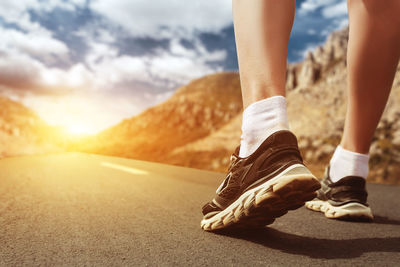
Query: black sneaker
[[346, 199], [262, 186]]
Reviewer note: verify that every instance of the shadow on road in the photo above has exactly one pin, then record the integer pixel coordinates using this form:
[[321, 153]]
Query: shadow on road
[[385, 220], [315, 247]]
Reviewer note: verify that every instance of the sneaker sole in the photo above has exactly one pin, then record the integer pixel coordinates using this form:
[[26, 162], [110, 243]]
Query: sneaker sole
[[261, 205], [350, 211]]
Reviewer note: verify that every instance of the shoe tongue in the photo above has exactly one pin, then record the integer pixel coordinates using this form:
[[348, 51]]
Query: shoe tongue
[[236, 153]]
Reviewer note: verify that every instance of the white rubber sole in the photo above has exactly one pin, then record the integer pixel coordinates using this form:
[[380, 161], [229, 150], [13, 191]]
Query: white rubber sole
[[350, 211], [260, 206]]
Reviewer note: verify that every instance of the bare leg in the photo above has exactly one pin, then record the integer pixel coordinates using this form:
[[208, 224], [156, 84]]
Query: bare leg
[[262, 30], [372, 58]]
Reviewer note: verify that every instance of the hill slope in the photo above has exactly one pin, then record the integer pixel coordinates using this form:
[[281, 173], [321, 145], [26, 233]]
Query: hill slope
[[193, 112], [22, 131]]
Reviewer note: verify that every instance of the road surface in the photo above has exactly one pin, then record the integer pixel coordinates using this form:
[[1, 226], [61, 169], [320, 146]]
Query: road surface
[[81, 209]]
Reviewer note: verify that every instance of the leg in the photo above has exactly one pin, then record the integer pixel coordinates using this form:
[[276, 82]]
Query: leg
[[262, 30], [269, 170], [372, 58]]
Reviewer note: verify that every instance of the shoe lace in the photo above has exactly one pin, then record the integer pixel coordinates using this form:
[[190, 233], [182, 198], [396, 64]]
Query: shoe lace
[[231, 173]]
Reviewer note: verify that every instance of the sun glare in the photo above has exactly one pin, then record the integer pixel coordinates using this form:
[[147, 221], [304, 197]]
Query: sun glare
[[78, 130], [75, 116]]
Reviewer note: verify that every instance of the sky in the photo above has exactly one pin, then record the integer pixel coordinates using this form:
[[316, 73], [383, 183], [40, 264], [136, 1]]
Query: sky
[[88, 64]]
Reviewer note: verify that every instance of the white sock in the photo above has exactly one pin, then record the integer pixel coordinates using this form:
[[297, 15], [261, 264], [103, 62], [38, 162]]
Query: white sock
[[260, 120], [347, 163]]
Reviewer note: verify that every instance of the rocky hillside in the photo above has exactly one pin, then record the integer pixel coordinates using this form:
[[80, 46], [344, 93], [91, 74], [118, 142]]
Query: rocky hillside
[[199, 126], [23, 132], [193, 112]]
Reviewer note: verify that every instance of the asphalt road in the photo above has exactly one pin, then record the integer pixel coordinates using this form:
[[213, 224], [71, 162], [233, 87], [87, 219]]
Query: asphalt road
[[80, 209]]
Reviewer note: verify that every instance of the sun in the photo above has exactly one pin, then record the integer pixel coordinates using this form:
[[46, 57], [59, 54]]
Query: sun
[[78, 130]]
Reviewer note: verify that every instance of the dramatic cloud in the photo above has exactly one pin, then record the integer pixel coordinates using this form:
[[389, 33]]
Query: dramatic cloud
[[312, 5], [39, 45], [130, 54], [323, 11], [315, 20], [335, 10], [161, 18]]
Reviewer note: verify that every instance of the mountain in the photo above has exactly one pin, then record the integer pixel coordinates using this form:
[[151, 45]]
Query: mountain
[[23, 132], [193, 112], [199, 126]]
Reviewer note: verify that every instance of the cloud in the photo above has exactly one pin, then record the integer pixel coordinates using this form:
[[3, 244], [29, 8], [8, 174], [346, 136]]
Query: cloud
[[323, 16], [136, 52], [335, 10], [328, 8], [36, 44], [34, 60], [311, 32], [183, 69], [17, 12], [315, 20], [162, 18], [18, 71], [312, 5], [27, 75], [103, 68], [164, 68]]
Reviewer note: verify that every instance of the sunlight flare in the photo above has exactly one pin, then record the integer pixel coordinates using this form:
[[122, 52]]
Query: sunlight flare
[[78, 129]]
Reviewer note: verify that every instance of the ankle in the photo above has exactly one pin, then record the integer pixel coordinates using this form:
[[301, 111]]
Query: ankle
[[260, 120], [356, 147], [348, 163], [260, 91]]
